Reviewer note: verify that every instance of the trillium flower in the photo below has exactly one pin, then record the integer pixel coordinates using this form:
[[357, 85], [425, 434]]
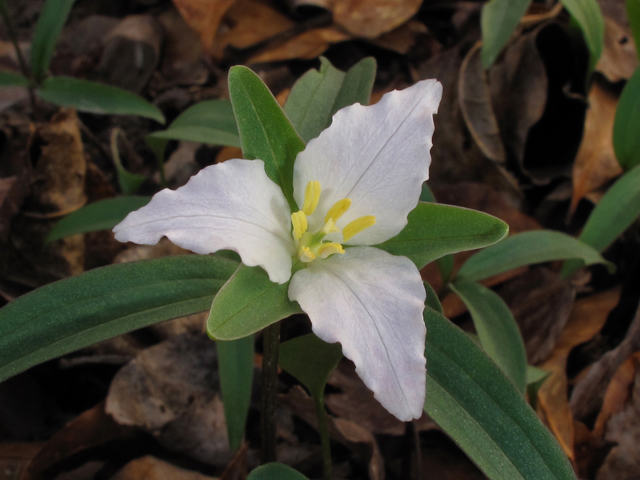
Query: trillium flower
[[354, 185]]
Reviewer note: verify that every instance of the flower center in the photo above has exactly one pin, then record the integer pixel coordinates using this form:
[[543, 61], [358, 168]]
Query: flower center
[[311, 245]]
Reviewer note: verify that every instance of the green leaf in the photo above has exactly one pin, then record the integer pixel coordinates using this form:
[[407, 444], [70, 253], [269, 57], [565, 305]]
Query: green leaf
[[626, 126], [12, 79], [235, 364], [526, 249], [633, 12], [275, 471], [498, 20], [211, 122], [535, 378], [617, 209], [247, 303], [129, 182], [99, 98], [265, 131], [432, 299], [436, 230], [427, 195], [588, 15], [498, 331], [77, 312], [101, 215], [310, 360], [469, 397], [53, 16], [318, 95]]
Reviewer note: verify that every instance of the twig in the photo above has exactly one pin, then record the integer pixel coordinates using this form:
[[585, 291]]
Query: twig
[[323, 430], [271, 341]]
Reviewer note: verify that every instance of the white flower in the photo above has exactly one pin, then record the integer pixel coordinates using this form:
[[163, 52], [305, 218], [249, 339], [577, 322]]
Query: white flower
[[355, 185]]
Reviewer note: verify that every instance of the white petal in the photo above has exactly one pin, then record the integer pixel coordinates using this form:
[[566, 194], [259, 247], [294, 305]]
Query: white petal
[[371, 302], [378, 156], [231, 205]]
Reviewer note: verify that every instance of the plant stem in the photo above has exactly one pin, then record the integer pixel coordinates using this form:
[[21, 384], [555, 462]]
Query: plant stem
[[271, 342], [323, 430], [26, 71]]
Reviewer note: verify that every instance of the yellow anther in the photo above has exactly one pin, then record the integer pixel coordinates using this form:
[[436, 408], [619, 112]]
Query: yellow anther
[[306, 255], [329, 227], [329, 249], [357, 226], [300, 224], [338, 210], [311, 197]]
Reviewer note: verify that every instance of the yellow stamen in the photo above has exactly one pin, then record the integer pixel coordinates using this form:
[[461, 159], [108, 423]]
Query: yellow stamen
[[338, 210], [311, 197], [300, 224], [329, 249], [329, 227], [357, 226], [306, 255]]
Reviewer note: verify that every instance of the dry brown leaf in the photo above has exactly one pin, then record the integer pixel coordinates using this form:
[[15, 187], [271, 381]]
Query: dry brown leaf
[[587, 319], [474, 98], [15, 457], [372, 18], [151, 468], [403, 38], [249, 22], [596, 163], [622, 416], [619, 59], [172, 391], [306, 46], [227, 153], [204, 16], [587, 395]]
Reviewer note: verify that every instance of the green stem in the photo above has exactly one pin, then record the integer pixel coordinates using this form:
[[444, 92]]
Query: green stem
[[26, 71], [323, 430], [271, 342]]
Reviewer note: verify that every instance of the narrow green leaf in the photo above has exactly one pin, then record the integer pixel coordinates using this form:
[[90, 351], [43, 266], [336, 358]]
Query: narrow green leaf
[[77, 312], [432, 299], [235, 364], [275, 471], [12, 79], [129, 182], [617, 209], [265, 131], [497, 330], [318, 95], [211, 122], [97, 98], [310, 360], [588, 15], [53, 16], [469, 397], [526, 249], [633, 12], [498, 20], [436, 230], [535, 378], [247, 303], [626, 126], [427, 194], [101, 215]]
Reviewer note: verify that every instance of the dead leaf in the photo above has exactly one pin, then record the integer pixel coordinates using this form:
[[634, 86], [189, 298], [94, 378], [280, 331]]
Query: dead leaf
[[342, 430], [587, 319], [475, 102], [151, 468], [621, 412], [306, 46], [403, 38], [204, 16], [619, 59], [172, 391], [249, 22], [541, 302], [372, 18], [15, 457], [227, 153], [588, 393], [596, 163], [92, 428]]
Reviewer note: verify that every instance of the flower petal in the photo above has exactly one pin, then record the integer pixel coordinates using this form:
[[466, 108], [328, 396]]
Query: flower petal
[[371, 302], [231, 205], [378, 156]]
